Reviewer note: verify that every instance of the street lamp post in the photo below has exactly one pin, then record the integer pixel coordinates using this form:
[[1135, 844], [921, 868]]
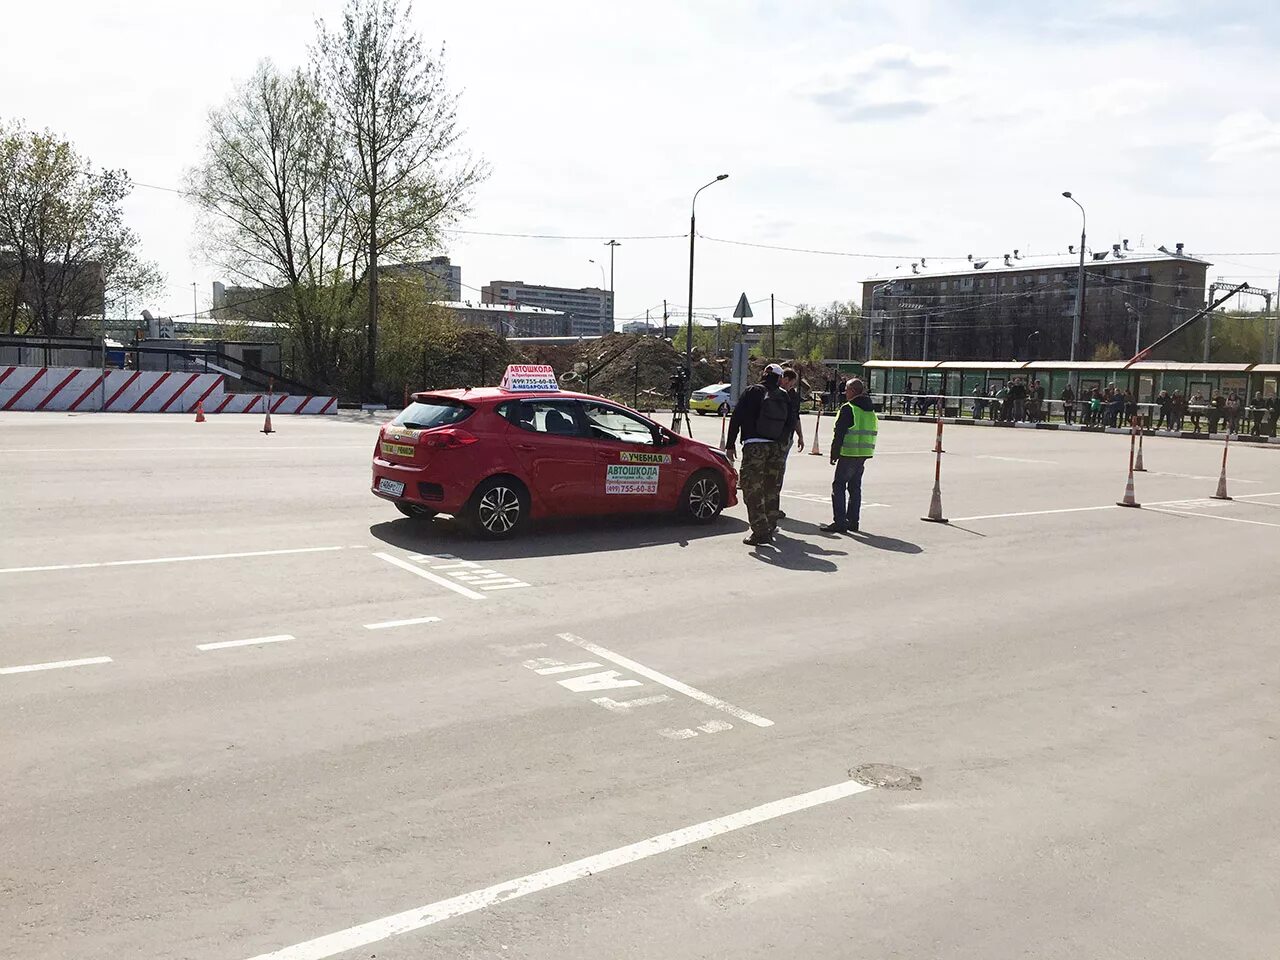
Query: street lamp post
[[599, 267], [612, 245], [693, 233], [1075, 324], [1031, 336]]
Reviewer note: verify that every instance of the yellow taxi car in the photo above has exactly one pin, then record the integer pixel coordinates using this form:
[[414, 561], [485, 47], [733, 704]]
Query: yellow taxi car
[[712, 399]]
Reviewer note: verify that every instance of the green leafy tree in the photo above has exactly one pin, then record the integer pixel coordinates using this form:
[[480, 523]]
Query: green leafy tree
[[65, 253]]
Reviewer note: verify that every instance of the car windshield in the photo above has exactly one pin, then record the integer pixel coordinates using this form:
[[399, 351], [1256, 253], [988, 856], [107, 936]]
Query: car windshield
[[432, 412]]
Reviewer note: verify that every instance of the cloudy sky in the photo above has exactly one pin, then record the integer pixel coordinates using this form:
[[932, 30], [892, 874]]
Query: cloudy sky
[[897, 129]]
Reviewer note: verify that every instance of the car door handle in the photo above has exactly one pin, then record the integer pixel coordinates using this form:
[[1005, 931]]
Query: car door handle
[[525, 446]]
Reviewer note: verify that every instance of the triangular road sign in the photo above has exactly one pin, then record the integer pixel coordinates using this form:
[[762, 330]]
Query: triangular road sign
[[743, 309]]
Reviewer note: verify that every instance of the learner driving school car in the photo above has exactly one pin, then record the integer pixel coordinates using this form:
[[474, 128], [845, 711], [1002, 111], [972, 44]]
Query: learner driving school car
[[712, 399], [501, 456]]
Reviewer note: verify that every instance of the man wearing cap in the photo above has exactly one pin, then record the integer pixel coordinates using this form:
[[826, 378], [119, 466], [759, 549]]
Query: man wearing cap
[[852, 445], [765, 420]]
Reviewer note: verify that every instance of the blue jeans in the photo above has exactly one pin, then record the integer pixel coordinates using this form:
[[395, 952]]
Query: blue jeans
[[848, 482]]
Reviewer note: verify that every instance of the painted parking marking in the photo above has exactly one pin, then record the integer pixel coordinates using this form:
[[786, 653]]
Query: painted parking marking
[[468, 571], [55, 665], [692, 692], [420, 917], [545, 666], [388, 624], [428, 575], [153, 560], [1215, 516], [825, 500], [251, 642], [1107, 506], [601, 680]]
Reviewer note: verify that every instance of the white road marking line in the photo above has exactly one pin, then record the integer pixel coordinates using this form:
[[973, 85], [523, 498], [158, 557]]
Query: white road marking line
[[1215, 516], [138, 563], [715, 726], [545, 666], [400, 623], [426, 915], [253, 641], [676, 685], [1195, 476], [504, 586], [55, 665], [428, 575], [983, 456], [1034, 513], [626, 706], [604, 680], [1105, 506], [824, 500], [672, 734]]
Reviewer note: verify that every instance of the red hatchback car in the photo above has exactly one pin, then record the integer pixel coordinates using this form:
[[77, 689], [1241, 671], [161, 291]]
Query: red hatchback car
[[499, 458]]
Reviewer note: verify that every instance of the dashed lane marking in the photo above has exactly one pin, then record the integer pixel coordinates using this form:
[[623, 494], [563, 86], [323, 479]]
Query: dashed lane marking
[[672, 684], [55, 665], [139, 563], [417, 918], [428, 575], [251, 642], [387, 624], [984, 456]]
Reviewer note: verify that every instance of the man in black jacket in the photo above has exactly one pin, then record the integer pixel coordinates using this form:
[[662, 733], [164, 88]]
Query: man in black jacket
[[765, 420]]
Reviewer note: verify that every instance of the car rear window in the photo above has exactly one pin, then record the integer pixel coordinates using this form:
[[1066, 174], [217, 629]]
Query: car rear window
[[433, 412]]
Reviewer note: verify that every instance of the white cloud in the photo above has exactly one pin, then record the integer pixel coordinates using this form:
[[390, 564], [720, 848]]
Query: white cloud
[[1244, 135]]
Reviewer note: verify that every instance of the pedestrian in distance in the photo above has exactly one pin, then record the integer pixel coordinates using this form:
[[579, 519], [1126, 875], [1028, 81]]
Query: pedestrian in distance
[[791, 386], [1068, 405], [853, 443], [765, 421]]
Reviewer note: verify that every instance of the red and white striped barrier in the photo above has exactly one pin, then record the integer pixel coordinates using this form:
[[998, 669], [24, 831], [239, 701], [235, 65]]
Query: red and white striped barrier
[[82, 389]]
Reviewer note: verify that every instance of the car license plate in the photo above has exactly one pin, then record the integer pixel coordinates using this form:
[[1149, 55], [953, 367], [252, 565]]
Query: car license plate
[[393, 487], [397, 449]]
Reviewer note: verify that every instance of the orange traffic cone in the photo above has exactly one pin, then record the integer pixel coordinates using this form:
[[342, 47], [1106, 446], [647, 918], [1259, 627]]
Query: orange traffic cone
[[813, 450], [1222, 477], [937, 443], [199, 411], [266, 426], [723, 422], [1137, 464], [1129, 500], [935, 502]]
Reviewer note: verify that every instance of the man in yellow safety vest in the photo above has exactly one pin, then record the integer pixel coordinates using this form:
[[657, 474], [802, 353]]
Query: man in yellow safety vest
[[852, 445]]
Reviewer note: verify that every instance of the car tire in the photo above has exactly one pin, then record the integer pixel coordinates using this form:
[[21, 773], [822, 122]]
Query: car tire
[[724, 410], [704, 497], [499, 508], [416, 511]]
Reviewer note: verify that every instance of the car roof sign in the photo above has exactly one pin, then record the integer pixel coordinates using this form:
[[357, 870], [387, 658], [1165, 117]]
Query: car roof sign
[[529, 378]]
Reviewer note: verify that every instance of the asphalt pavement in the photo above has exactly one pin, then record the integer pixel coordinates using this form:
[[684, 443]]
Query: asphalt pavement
[[250, 711]]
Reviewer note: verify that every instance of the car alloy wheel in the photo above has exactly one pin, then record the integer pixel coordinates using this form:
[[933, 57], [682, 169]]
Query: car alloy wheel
[[499, 510], [704, 498]]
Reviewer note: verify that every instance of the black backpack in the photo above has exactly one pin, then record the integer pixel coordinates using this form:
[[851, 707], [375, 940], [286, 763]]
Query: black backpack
[[775, 411]]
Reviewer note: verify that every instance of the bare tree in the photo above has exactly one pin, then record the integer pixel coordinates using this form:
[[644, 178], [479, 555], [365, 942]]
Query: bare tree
[[397, 124], [274, 194], [65, 253]]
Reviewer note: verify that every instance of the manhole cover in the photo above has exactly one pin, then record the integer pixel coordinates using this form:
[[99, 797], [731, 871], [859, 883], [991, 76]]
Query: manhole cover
[[886, 776]]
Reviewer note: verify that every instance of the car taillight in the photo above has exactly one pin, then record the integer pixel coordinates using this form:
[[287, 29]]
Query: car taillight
[[450, 438]]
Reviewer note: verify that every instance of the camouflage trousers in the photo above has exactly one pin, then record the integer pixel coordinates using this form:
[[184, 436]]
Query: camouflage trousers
[[761, 480]]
